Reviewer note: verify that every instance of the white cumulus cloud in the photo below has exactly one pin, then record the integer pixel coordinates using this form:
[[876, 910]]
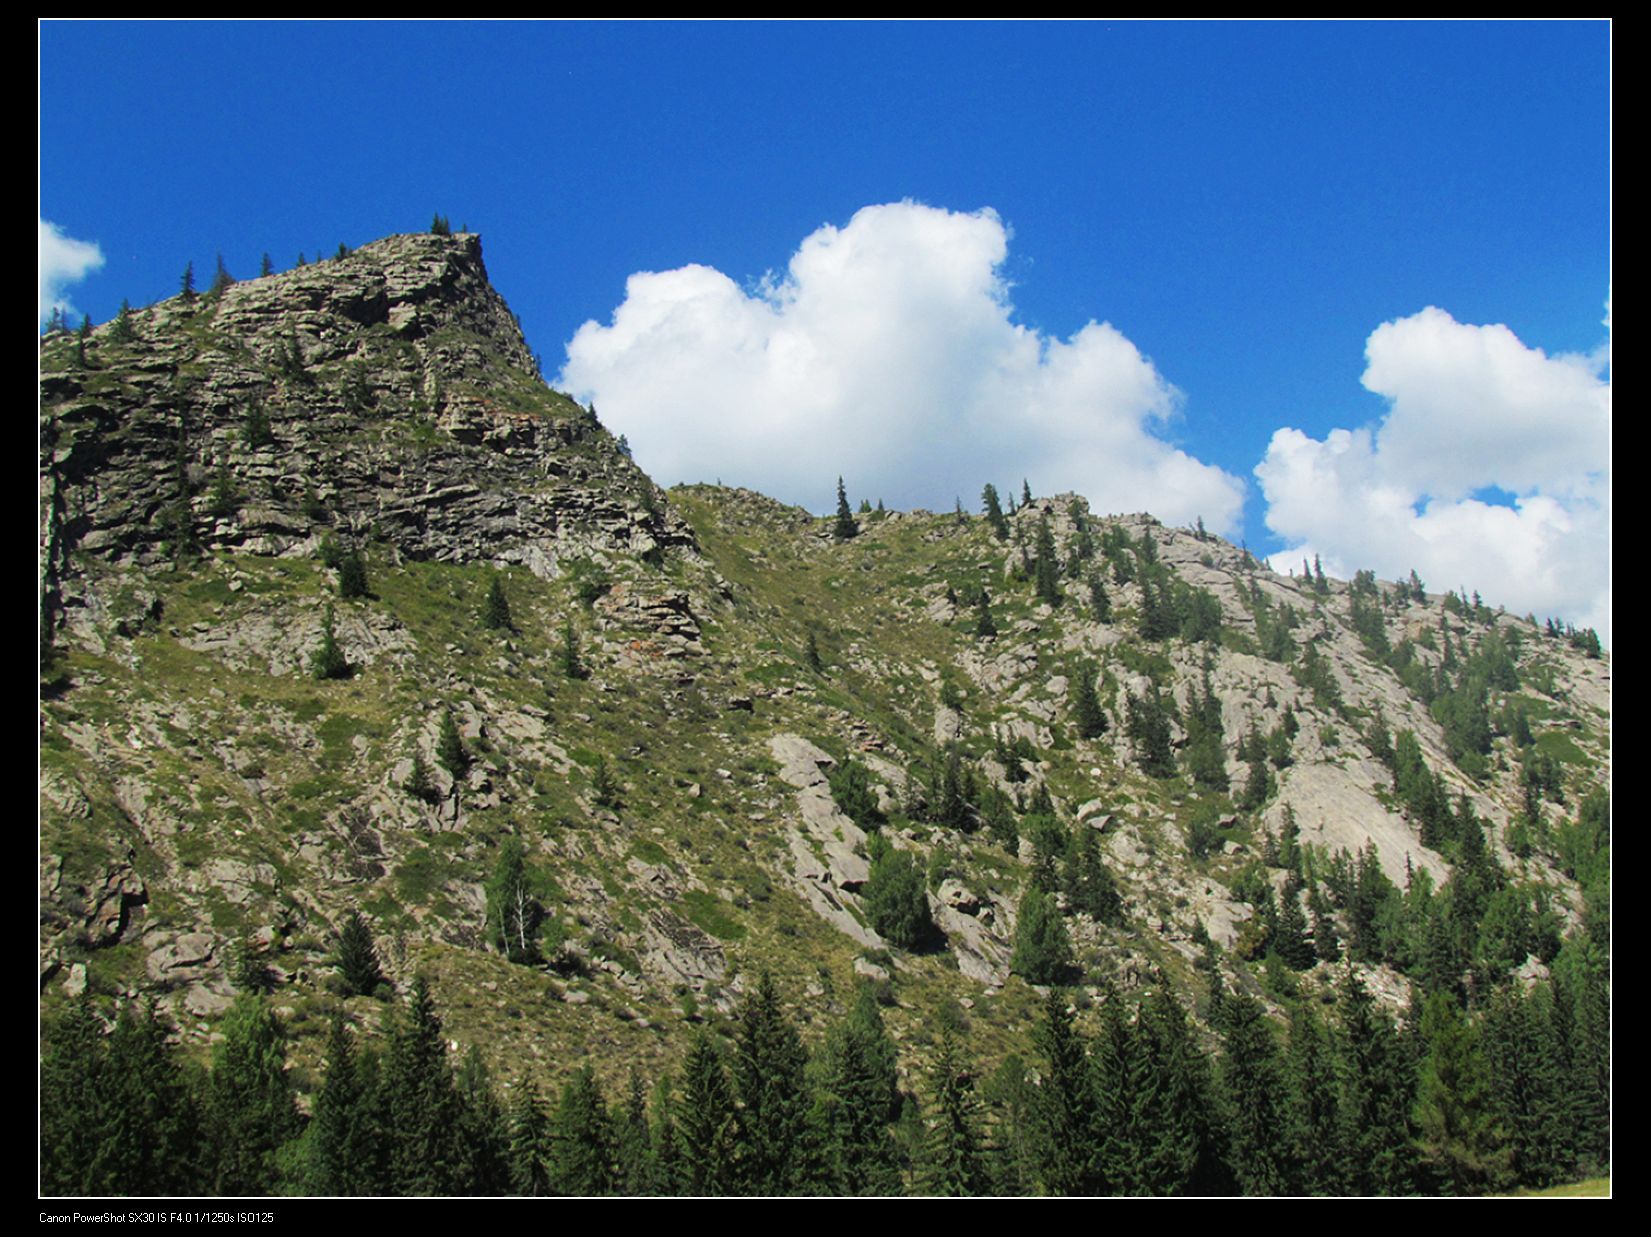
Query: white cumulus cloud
[[887, 352], [1470, 408], [63, 261]]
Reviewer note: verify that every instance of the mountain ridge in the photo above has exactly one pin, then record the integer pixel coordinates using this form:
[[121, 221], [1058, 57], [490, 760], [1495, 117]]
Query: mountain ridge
[[669, 721]]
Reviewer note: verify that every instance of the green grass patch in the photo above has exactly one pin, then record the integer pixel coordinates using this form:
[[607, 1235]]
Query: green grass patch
[[712, 916], [1558, 744]]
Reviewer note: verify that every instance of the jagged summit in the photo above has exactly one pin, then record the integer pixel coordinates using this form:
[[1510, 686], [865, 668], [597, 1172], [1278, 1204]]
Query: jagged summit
[[387, 394]]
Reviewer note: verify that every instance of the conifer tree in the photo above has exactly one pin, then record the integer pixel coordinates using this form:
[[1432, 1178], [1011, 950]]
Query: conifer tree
[[1148, 726], [1042, 951], [811, 655], [1454, 1115], [955, 1166], [1086, 709], [221, 279], [1255, 1099], [582, 1159], [1047, 573], [1065, 1119], [894, 897], [860, 1098], [420, 784], [633, 1150], [151, 1123], [772, 1117], [250, 1108], [993, 508], [421, 1101], [1089, 886], [352, 575], [328, 660], [255, 427], [529, 1136], [266, 267], [485, 1168], [121, 331], [984, 626], [705, 1121], [343, 1138], [845, 528], [1099, 602], [74, 1103], [451, 753], [187, 284], [572, 666], [1376, 1097]]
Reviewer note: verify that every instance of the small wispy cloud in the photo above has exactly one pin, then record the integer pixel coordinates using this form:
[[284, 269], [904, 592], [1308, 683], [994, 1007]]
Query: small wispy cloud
[[63, 261]]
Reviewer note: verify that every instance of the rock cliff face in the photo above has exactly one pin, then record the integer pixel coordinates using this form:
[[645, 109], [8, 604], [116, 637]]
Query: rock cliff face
[[657, 720], [387, 395]]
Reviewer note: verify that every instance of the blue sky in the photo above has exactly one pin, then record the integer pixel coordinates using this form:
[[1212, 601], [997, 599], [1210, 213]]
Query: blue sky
[[1238, 208]]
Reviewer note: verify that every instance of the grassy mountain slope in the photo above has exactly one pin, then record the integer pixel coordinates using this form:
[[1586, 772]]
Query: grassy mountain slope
[[652, 727]]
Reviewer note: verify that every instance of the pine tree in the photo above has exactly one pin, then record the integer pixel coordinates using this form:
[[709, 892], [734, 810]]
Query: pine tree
[[984, 626], [451, 753], [82, 337], [482, 1135], [1042, 952], [634, 1170], [255, 428], [266, 267], [995, 518], [529, 1136], [860, 1098], [1089, 886], [121, 331], [1065, 1118], [955, 1166], [222, 280], [439, 226], [1025, 493], [420, 784], [1148, 726], [705, 1121], [811, 655], [1255, 1099], [582, 1137], [845, 528], [1099, 602], [187, 284], [1376, 1097], [1317, 1164], [421, 1102], [769, 1081], [1086, 709], [358, 957], [328, 660], [343, 1139], [496, 610], [150, 1137], [895, 901], [352, 575], [1047, 573], [250, 1109], [1455, 1121]]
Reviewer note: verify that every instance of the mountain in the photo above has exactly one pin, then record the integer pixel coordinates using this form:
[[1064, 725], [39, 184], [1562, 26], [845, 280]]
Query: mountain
[[344, 610]]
